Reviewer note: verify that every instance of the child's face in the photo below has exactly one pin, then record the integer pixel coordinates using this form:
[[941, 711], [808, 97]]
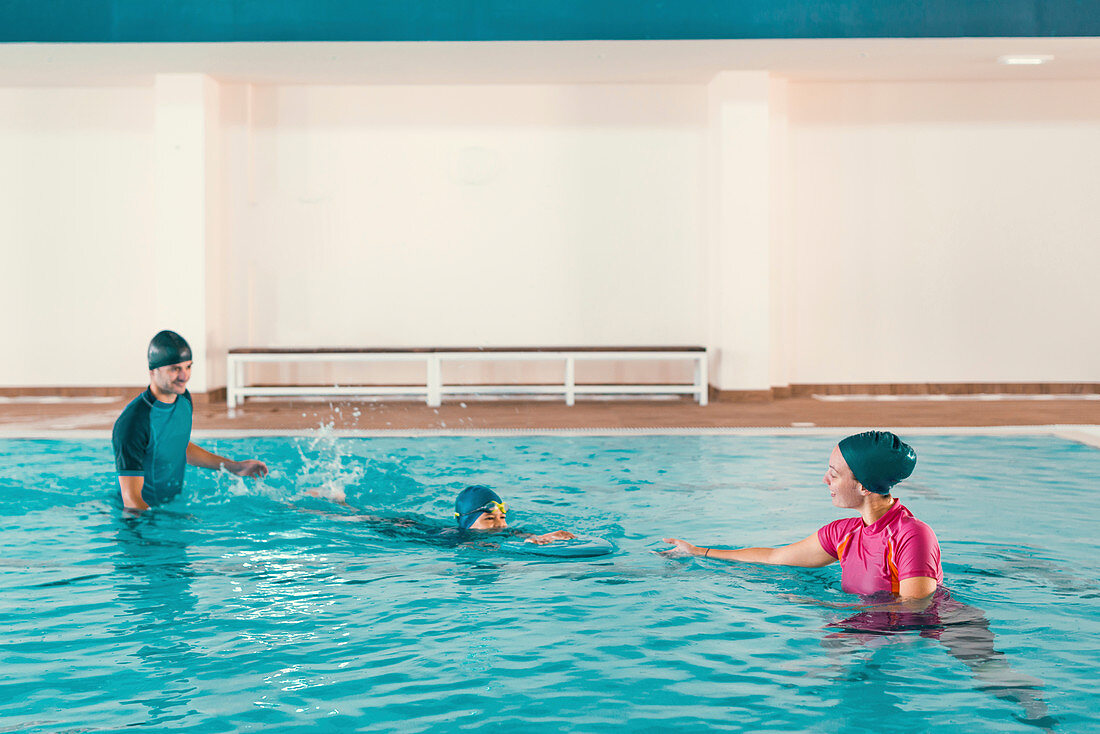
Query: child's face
[[492, 520]]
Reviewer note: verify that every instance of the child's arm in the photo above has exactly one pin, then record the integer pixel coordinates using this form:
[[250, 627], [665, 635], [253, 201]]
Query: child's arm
[[550, 537]]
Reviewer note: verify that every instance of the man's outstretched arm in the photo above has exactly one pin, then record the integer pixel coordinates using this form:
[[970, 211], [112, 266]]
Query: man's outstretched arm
[[200, 457]]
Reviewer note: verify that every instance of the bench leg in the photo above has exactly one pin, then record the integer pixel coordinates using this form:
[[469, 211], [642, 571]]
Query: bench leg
[[570, 381], [435, 382], [702, 384], [231, 383]]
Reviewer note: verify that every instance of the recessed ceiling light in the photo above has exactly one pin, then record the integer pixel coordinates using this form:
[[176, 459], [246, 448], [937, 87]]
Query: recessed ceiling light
[[1025, 60]]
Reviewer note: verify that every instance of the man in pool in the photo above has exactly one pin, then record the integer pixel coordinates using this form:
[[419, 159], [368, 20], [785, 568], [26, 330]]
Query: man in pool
[[152, 437], [886, 549], [480, 508]]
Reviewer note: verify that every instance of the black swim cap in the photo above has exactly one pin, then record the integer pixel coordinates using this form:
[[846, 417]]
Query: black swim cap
[[878, 459], [167, 348]]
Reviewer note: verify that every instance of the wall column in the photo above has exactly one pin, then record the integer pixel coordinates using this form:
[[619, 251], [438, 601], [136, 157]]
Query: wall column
[[186, 120], [742, 262]]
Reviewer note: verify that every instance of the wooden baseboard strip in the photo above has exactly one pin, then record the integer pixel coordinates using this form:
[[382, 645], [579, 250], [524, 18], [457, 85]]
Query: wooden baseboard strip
[[217, 395]]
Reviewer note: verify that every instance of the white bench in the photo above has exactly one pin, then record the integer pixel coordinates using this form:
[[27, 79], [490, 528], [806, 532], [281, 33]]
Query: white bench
[[433, 389]]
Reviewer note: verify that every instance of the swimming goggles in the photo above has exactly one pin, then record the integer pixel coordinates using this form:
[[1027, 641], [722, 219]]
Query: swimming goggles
[[487, 507]]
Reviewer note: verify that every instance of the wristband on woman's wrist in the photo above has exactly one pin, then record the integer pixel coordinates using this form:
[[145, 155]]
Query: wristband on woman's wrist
[[706, 553]]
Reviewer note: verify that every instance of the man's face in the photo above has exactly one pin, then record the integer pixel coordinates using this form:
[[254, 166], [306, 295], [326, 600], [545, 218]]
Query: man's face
[[172, 379]]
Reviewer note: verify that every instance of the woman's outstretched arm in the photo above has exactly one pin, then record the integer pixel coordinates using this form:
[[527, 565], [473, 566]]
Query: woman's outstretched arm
[[807, 553]]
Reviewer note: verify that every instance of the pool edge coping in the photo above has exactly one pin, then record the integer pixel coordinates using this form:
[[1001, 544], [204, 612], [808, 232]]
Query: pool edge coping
[[1088, 434]]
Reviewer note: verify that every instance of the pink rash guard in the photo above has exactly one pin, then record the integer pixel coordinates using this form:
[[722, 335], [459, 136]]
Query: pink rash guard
[[877, 557]]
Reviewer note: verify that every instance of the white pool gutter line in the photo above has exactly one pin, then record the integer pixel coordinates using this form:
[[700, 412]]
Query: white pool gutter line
[[1085, 433]]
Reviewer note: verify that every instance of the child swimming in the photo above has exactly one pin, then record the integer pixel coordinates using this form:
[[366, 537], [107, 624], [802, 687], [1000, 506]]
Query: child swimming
[[479, 508]]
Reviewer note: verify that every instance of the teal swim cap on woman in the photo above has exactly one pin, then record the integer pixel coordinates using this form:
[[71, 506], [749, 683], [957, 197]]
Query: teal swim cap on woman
[[167, 348], [878, 459], [471, 503]]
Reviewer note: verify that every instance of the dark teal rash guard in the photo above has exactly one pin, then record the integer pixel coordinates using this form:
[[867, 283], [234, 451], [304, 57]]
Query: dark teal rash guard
[[150, 440]]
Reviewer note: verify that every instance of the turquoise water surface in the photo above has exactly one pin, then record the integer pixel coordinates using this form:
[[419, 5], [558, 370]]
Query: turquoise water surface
[[250, 605]]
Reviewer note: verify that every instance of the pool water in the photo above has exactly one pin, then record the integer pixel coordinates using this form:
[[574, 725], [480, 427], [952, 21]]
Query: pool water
[[250, 605]]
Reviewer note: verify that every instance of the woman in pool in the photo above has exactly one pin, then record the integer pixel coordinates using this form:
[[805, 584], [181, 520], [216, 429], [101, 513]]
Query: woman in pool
[[480, 508], [885, 549], [888, 554]]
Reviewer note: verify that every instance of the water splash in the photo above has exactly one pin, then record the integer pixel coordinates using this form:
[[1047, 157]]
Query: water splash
[[328, 470]]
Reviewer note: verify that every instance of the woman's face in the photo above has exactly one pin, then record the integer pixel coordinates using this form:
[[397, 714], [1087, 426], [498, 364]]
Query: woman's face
[[492, 520], [844, 490]]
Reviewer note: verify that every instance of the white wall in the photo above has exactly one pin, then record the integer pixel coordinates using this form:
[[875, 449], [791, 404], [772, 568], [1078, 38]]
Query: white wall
[[945, 232], [76, 174], [463, 216], [411, 216], [917, 232]]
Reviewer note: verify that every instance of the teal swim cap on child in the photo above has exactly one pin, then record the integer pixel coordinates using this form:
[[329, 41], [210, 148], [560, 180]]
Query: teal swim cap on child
[[167, 348], [878, 459], [471, 502]]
